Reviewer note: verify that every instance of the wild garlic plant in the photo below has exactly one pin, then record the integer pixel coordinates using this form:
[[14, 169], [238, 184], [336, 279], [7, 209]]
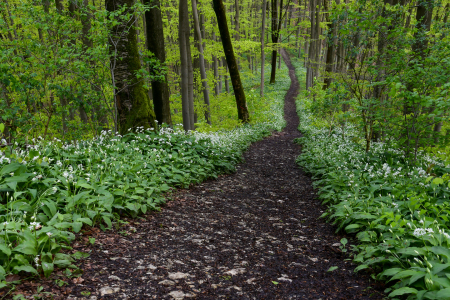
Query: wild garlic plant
[[52, 189], [399, 211]]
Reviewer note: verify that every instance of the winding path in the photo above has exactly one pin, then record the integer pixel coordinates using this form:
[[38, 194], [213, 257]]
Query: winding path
[[255, 234]]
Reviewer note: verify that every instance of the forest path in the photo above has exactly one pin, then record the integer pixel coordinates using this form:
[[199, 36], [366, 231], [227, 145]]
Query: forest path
[[255, 234]]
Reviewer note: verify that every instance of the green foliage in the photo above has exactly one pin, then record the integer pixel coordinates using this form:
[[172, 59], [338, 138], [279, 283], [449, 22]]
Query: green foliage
[[53, 189], [223, 106], [397, 91], [399, 213]]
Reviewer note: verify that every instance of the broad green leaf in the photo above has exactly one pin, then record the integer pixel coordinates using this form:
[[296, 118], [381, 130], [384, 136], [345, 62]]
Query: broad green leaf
[[361, 267], [47, 268], [2, 273], [5, 249], [412, 251], [80, 255], [416, 277], [10, 168], [63, 256], [439, 250], [26, 247], [443, 294], [76, 226], [438, 181], [390, 272], [438, 267], [403, 274], [352, 227], [33, 192], [402, 291], [331, 269], [64, 263], [63, 225], [443, 281], [107, 221], [28, 269], [85, 221]]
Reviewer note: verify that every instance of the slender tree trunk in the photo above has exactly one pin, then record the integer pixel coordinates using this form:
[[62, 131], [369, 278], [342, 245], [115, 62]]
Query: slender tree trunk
[[263, 55], [274, 39], [317, 41], [155, 43], [219, 9], [227, 86], [190, 80], [329, 64], [310, 71], [186, 67], [202, 62], [184, 73], [215, 70]]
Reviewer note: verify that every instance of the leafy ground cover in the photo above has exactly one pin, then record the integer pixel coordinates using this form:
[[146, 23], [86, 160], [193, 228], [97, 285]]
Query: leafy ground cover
[[398, 210], [51, 190]]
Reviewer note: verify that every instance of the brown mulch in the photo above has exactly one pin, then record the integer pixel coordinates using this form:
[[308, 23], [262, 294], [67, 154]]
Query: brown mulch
[[255, 234]]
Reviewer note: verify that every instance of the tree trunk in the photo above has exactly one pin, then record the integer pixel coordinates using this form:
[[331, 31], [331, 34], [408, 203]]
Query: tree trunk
[[155, 43], [331, 48], [131, 98], [263, 55], [310, 66], [219, 9], [202, 62], [225, 76], [275, 31], [186, 66]]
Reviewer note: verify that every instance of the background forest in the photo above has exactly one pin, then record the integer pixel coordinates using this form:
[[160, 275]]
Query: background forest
[[99, 101]]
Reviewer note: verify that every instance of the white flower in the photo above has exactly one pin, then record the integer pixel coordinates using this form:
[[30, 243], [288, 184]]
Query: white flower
[[49, 234], [35, 225], [419, 232]]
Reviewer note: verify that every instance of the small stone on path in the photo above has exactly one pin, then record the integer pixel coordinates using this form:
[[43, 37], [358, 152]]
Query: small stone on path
[[106, 290], [177, 294], [178, 275], [235, 272], [166, 282]]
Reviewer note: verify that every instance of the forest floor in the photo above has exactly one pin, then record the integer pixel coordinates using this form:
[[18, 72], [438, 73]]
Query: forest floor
[[255, 234]]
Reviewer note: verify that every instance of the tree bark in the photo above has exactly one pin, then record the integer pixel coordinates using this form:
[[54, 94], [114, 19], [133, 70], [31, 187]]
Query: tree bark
[[131, 98], [225, 76], [202, 62], [155, 44], [263, 55], [219, 9], [274, 39], [329, 64], [186, 67], [310, 70]]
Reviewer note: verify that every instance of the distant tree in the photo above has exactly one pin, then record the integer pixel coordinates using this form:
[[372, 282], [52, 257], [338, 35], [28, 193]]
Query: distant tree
[[187, 92], [219, 9], [155, 43]]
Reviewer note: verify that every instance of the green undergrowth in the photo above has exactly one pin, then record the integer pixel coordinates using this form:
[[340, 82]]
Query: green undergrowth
[[398, 211], [52, 189], [261, 109]]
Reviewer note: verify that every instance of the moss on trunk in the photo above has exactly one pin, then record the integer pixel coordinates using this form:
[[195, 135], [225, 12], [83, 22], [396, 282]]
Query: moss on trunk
[[133, 103]]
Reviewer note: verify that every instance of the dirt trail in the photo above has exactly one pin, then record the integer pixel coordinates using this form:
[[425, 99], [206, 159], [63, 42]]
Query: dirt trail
[[254, 234]]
